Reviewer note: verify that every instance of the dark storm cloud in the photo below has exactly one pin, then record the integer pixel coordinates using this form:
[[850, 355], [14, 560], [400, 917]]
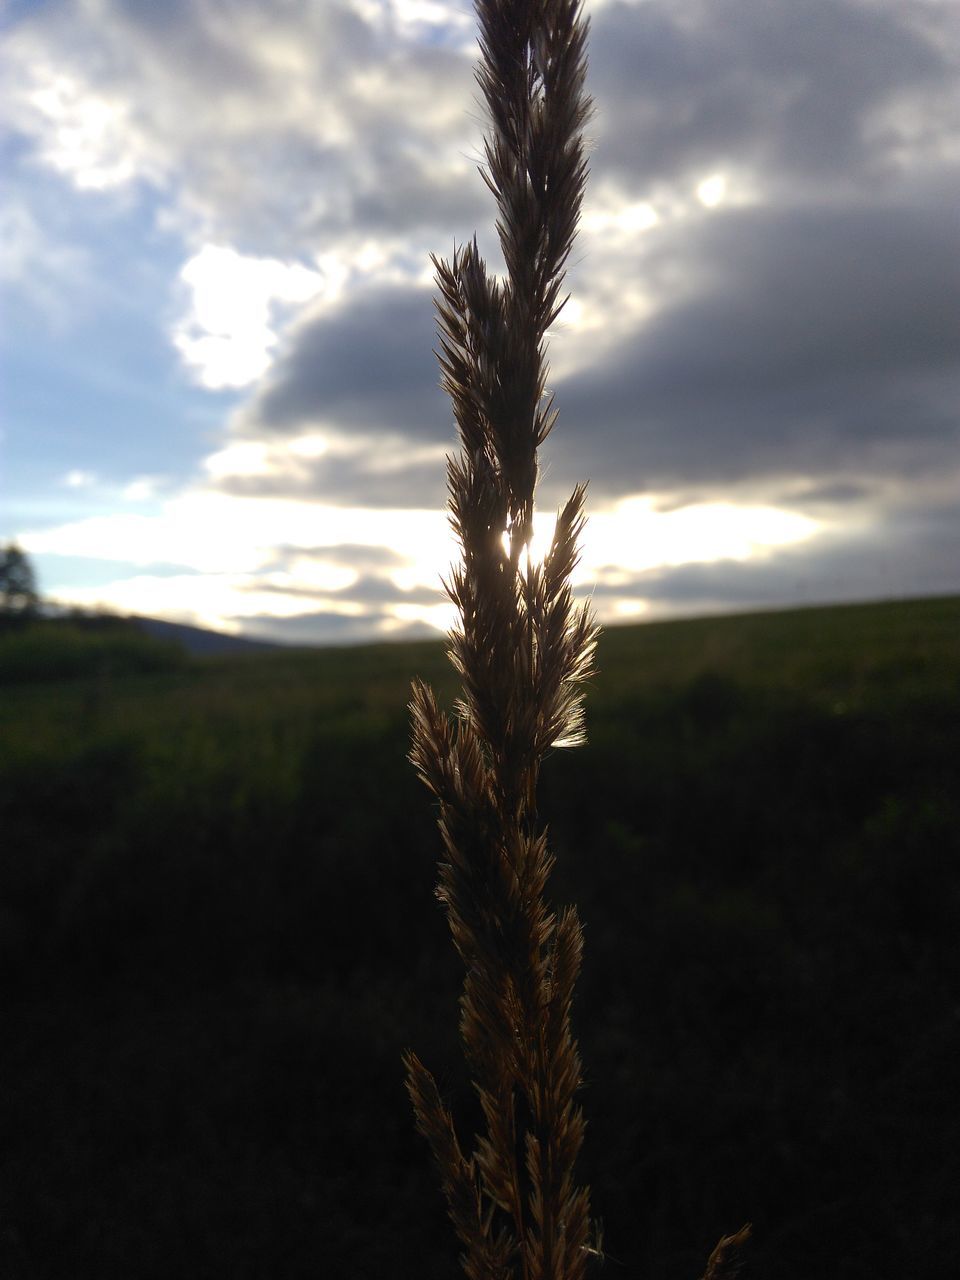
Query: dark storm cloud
[[820, 339], [326, 627], [375, 589], [815, 332], [840, 493], [319, 627], [369, 589], [367, 366], [790, 88], [405, 196]]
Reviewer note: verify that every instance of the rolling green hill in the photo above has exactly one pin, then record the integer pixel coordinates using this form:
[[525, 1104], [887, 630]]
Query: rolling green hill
[[217, 934]]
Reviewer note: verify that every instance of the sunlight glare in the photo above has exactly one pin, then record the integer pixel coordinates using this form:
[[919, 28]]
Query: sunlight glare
[[635, 537], [631, 610], [228, 546], [611, 211], [711, 191]]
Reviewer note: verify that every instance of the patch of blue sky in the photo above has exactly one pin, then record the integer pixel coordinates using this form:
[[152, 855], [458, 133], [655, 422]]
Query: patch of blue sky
[[119, 416], [110, 248], [13, 11], [446, 35], [30, 504], [64, 572], [91, 379], [433, 23]]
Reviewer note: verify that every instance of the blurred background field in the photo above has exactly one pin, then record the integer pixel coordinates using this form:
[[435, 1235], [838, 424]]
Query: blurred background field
[[218, 933]]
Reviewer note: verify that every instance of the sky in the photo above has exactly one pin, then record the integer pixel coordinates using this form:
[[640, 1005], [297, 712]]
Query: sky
[[219, 402]]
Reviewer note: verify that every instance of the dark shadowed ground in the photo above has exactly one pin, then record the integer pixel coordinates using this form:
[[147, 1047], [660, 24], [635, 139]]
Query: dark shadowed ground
[[217, 934]]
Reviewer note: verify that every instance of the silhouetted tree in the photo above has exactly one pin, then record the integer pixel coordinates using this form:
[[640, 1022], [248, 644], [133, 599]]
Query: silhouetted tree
[[18, 583]]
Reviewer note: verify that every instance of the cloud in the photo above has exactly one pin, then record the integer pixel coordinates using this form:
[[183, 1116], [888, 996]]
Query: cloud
[[323, 628], [385, 471], [79, 479], [212, 532], [910, 552], [831, 91], [840, 493], [368, 589], [733, 327], [248, 557], [766, 290], [366, 366], [228, 334], [818, 341], [349, 553], [272, 125], [142, 488], [358, 479]]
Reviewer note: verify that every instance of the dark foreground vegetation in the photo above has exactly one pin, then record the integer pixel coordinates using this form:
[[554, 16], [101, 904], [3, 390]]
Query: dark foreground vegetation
[[217, 935]]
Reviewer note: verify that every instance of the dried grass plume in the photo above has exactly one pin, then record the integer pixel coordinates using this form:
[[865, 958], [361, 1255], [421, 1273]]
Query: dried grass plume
[[523, 650]]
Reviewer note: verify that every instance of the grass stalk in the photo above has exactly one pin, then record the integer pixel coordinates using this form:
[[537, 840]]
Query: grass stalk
[[522, 649]]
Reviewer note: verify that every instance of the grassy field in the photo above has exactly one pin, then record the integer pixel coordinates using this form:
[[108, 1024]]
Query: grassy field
[[217, 934]]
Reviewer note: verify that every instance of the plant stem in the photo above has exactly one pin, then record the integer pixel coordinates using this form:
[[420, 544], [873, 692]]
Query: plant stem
[[522, 650]]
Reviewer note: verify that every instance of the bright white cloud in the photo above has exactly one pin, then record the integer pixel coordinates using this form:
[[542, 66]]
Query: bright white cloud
[[229, 334], [611, 211], [242, 458], [230, 543], [79, 479], [419, 18], [223, 602], [87, 135], [289, 465], [241, 305], [141, 488], [635, 537], [212, 532]]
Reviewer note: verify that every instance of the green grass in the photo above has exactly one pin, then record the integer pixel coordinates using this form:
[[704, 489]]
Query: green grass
[[40, 650], [217, 933]]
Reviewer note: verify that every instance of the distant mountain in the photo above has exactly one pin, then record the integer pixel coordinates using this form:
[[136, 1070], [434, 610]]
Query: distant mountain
[[198, 640]]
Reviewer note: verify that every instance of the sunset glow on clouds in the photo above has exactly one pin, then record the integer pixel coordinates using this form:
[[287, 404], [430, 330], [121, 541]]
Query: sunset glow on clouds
[[230, 574], [221, 403]]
